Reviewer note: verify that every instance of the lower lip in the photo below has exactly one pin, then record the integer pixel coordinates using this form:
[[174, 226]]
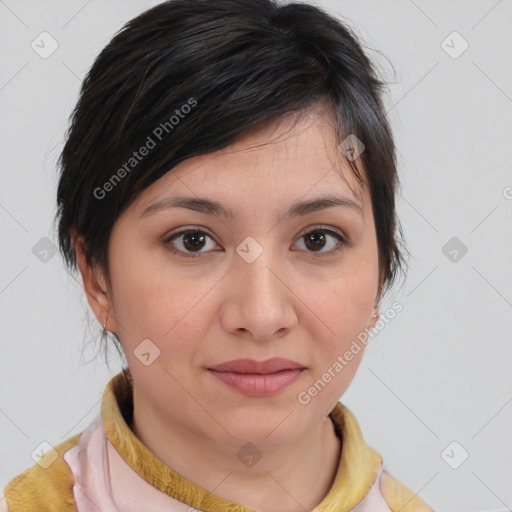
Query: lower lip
[[255, 384]]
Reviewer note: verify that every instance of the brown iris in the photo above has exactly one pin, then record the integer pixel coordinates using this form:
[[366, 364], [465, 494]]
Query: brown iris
[[315, 240]]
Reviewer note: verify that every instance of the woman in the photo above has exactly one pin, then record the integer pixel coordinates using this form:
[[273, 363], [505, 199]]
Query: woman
[[227, 193]]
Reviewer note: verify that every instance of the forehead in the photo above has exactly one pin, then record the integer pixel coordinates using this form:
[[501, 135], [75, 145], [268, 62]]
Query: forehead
[[293, 157]]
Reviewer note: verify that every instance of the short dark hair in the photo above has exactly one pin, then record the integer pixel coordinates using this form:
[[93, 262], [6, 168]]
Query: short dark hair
[[198, 75]]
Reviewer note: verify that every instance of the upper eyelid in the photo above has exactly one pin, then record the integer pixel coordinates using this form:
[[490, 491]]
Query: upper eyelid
[[301, 233], [184, 231]]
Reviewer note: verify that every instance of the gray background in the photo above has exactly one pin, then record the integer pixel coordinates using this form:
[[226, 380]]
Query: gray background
[[438, 373]]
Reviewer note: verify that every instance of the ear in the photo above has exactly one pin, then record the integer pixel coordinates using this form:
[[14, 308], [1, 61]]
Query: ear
[[95, 286]]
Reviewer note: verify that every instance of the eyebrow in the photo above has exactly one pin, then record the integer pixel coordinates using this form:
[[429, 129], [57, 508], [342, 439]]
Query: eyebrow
[[217, 209]]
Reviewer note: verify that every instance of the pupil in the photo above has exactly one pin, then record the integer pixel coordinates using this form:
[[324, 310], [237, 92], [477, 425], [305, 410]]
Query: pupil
[[197, 241], [315, 238]]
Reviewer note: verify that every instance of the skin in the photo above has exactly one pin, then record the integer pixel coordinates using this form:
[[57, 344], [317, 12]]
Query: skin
[[200, 311]]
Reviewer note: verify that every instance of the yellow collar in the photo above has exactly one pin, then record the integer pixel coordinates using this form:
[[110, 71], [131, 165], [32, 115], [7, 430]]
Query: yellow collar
[[357, 471]]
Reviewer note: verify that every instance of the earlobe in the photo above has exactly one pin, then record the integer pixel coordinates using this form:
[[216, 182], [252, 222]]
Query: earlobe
[[95, 287], [374, 318]]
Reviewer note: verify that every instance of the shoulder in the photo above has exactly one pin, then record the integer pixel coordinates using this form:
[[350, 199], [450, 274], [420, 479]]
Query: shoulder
[[399, 498], [47, 485]]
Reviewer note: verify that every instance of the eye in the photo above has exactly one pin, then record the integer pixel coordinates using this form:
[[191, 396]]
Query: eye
[[191, 243], [319, 239], [187, 242]]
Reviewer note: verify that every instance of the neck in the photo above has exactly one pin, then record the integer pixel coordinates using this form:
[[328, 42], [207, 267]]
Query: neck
[[293, 478]]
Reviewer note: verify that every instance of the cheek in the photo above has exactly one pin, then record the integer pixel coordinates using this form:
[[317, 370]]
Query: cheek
[[350, 299], [346, 310], [153, 301]]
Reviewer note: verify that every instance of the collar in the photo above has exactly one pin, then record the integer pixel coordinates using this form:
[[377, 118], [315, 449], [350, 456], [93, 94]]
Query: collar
[[358, 469]]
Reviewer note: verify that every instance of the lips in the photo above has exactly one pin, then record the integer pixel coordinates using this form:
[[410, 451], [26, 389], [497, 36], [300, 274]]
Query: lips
[[258, 378], [274, 365]]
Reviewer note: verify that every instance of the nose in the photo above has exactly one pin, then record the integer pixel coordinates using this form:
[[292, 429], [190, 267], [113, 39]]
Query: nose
[[259, 303]]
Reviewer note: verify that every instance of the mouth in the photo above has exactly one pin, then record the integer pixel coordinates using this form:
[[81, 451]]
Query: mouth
[[258, 378]]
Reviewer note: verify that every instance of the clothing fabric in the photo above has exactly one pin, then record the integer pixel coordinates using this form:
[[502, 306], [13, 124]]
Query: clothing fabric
[[107, 468]]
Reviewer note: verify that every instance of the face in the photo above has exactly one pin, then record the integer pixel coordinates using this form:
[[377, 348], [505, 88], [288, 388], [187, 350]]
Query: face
[[238, 255]]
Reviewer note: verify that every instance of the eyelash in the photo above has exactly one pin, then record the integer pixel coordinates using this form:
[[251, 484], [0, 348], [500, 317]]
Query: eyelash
[[168, 242]]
